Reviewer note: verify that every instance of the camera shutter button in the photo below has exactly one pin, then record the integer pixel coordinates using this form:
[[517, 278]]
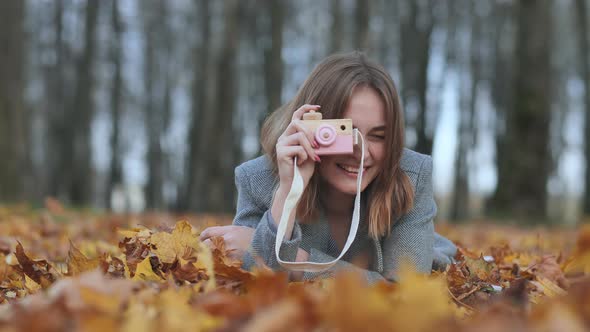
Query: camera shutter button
[[325, 134]]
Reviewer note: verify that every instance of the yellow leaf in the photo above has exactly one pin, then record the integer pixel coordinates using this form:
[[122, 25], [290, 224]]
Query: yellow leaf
[[123, 258], [348, 289], [177, 315], [5, 269], [578, 264], [522, 259], [32, 286], [184, 244], [580, 260], [181, 243], [547, 288], [421, 301], [78, 263], [144, 272], [279, 317], [139, 317], [415, 303], [556, 317], [140, 232], [103, 302], [205, 261], [96, 323]]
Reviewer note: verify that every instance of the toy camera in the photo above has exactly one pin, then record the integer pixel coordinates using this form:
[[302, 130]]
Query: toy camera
[[334, 136]]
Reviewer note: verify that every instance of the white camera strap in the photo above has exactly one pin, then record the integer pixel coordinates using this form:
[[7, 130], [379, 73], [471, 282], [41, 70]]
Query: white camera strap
[[290, 204]]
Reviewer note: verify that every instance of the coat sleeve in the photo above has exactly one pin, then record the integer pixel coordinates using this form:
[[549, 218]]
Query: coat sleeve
[[251, 213]]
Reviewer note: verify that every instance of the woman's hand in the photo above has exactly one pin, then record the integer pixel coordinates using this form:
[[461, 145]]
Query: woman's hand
[[302, 256], [298, 141], [237, 239]]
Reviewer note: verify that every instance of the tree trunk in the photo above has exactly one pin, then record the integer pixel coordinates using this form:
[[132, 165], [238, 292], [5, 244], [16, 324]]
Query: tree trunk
[[193, 197], [82, 186], [502, 87], [273, 60], [216, 181], [115, 169], [12, 109], [59, 133], [581, 11], [415, 56], [223, 169], [336, 34], [157, 87], [522, 182], [361, 37], [467, 131]]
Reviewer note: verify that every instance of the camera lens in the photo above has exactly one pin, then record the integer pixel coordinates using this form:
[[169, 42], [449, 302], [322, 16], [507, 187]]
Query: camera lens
[[325, 134]]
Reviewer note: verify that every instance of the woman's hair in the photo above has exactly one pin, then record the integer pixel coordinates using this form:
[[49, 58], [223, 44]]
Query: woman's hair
[[331, 85]]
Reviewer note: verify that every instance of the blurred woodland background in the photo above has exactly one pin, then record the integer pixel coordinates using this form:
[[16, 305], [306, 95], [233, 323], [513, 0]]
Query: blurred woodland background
[[150, 104]]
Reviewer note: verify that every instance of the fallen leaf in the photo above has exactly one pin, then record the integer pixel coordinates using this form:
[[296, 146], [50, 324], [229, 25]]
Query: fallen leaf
[[78, 263], [144, 272], [181, 243], [39, 271]]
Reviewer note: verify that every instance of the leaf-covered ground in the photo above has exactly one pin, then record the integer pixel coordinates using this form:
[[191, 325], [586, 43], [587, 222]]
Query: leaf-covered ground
[[62, 270]]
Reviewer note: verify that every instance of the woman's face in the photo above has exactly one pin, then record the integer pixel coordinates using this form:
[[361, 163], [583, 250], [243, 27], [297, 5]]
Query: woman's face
[[367, 111]]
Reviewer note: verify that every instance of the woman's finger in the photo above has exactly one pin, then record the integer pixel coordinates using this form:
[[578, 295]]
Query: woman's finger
[[292, 151], [298, 127], [212, 231], [300, 139], [298, 114]]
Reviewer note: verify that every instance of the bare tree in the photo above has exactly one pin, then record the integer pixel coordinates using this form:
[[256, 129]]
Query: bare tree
[[214, 148], [471, 68], [361, 37], [582, 12], [12, 108], [273, 61], [336, 30], [416, 29], [201, 69], [82, 177], [502, 84], [524, 160], [158, 45], [218, 138], [57, 127], [116, 58]]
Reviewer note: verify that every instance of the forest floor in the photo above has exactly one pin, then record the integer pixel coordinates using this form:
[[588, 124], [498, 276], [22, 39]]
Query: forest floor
[[66, 270]]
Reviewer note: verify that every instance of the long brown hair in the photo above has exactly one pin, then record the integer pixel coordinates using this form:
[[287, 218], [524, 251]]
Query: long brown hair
[[331, 85]]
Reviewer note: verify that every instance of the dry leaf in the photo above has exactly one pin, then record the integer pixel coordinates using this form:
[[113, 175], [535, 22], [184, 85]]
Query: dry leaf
[[78, 263], [182, 243], [39, 271], [144, 273]]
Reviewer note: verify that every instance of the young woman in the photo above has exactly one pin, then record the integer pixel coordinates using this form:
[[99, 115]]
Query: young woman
[[397, 208]]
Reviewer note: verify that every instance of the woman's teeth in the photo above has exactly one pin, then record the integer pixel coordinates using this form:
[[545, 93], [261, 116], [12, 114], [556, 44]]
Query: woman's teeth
[[350, 169]]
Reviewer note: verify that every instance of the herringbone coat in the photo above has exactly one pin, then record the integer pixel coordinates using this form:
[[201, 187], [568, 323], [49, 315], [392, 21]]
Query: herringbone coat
[[412, 236]]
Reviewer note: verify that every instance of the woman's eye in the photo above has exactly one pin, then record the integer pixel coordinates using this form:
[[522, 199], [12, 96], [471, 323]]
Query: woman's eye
[[379, 136]]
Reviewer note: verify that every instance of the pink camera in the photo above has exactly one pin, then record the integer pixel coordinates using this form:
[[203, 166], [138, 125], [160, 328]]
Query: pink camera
[[335, 136]]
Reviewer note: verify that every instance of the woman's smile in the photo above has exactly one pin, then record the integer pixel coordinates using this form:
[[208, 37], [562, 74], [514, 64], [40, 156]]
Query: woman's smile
[[351, 171]]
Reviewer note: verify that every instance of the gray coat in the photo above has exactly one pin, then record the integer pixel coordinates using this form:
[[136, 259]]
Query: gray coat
[[412, 235]]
